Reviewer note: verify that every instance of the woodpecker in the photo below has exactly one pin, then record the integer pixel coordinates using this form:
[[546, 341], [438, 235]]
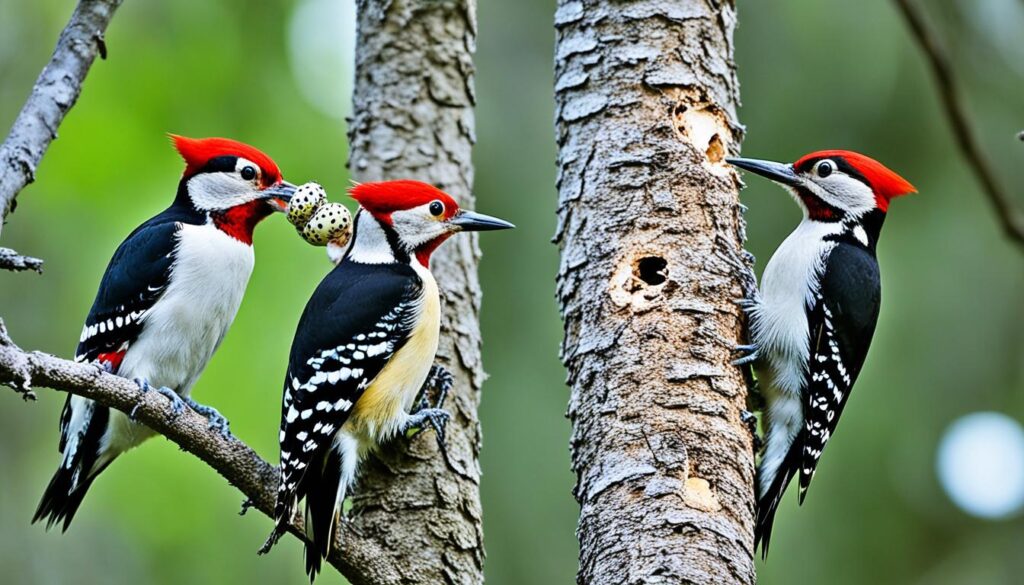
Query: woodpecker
[[814, 317], [363, 351], [164, 304]]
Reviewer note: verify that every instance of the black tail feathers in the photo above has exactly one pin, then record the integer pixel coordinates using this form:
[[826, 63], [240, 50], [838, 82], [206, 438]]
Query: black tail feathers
[[321, 511], [768, 502], [62, 498], [76, 473]]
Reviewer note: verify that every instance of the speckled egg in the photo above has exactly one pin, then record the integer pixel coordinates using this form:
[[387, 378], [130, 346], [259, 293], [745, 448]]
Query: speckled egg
[[330, 222], [306, 200]]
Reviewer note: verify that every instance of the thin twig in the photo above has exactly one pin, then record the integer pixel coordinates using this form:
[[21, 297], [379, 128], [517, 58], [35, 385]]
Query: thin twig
[[1009, 216], [359, 559], [54, 93], [11, 260]]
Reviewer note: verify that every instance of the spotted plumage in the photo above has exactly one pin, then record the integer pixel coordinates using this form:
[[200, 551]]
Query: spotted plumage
[[164, 304], [363, 351], [813, 319]]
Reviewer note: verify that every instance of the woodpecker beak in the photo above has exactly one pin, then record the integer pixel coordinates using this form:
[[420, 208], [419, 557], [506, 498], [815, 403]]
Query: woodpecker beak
[[469, 221], [778, 172], [279, 194]]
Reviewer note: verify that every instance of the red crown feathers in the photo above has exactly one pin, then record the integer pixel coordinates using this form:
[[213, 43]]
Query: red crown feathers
[[384, 198], [884, 182], [199, 151]]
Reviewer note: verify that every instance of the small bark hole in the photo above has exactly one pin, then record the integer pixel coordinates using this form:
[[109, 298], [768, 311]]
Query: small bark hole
[[652, 269]]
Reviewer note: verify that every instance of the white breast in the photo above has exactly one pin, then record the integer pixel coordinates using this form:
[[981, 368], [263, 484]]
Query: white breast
[[184, 328], [790, 280]]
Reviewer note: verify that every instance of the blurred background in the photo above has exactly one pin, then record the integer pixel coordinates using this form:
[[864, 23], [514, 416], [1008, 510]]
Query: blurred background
[[923, 484]]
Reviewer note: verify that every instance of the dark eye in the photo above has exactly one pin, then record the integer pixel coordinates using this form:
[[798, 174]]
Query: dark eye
[[436, 208], [825, 168], [248, 173]]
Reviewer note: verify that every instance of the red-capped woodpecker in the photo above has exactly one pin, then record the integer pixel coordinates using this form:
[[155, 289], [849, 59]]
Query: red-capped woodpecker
[[813, 319], [164, 304], [363, 351]]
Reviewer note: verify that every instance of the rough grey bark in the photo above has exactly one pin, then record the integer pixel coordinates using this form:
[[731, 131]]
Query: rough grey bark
[[55, 92], [361, 560], [650, 231], [413, 102]]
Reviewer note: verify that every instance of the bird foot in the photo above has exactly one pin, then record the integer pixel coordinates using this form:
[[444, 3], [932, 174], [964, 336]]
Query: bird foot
[[215, 419], [751, 354], [438, 379], [177, 404], [437, 418]]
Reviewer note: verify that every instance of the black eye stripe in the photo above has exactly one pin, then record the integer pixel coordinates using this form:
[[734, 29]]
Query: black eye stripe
[[841, 166]]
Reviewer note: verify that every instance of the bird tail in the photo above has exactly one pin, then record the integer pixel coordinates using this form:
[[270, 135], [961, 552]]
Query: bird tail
[[324, 496], [768, 502], [83, 424]]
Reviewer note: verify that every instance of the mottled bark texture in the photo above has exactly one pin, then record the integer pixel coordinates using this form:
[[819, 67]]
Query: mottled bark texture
[[413, 119], [651, 231], [361, 560], [55, 92]]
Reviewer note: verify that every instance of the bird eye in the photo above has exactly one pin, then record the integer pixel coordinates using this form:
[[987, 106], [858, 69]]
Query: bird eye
[[825, 168], [248, 173], [436, 208]]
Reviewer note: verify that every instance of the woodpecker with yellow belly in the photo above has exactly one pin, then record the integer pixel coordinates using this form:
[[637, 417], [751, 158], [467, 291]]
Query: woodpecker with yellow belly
[[812, 322], [363, 351]]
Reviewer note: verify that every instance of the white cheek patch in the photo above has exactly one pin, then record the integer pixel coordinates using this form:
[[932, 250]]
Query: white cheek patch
[[843, 192], [417, 226], [215, 191]]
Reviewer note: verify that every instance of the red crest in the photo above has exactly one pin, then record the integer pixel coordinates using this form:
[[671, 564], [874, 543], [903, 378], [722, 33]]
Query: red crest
[[884, 182], [384, 198], [199, 151]]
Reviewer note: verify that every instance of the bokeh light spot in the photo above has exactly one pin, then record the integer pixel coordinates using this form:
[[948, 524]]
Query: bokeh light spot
[[321, 45], [981, 464]]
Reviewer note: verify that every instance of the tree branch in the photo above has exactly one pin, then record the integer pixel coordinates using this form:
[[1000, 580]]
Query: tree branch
[[55, 92], [1009, 216], [361, 560], [11, 260]]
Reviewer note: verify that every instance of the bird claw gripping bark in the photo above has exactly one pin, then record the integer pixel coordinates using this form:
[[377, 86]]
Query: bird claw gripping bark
[[751, 354], [177, 404], [215, 418]]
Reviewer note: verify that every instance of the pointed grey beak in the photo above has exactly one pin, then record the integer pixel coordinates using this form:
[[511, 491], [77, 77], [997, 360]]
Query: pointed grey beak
[[778, 172], [279, 194], [470, 221]]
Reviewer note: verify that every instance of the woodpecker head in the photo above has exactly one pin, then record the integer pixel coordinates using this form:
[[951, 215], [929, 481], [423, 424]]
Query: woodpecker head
[[415, 218], [233, 183], [831, 185]]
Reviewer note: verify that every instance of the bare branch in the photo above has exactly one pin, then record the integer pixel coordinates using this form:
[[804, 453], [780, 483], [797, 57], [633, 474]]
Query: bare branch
[[11, 260], [360, 560], [1009, 216], [55, 92]]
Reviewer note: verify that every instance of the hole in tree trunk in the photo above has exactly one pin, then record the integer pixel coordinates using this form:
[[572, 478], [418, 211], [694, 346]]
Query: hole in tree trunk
[[652, 270]]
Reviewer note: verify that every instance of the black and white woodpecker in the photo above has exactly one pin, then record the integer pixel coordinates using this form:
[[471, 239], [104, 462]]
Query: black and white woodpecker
[[363, 351], [813, 319], [164, 304]]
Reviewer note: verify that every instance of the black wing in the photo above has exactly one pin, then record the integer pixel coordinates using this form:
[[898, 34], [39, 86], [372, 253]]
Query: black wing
[[135, 278], [357, 318], [842, 323]]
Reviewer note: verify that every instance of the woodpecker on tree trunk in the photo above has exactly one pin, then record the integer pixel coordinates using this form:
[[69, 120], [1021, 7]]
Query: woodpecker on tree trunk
[[164, 304], [813, 319], [364, 351]]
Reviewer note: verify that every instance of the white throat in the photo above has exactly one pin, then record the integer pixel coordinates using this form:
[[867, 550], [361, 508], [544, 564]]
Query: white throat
[[370, 244]]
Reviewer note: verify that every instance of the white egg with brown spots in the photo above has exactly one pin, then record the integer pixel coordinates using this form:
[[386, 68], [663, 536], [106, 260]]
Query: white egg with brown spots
[[330, 223]]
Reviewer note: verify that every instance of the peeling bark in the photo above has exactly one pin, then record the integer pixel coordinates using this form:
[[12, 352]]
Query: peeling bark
[[413, 102], [54, 94], [651, 231]]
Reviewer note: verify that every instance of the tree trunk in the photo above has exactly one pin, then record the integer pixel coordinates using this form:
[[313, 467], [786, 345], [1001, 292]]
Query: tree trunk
[[413, 119], [651, 232]]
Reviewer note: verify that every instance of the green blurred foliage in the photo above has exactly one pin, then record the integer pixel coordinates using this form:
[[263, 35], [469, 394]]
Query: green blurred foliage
[[827, 74]]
